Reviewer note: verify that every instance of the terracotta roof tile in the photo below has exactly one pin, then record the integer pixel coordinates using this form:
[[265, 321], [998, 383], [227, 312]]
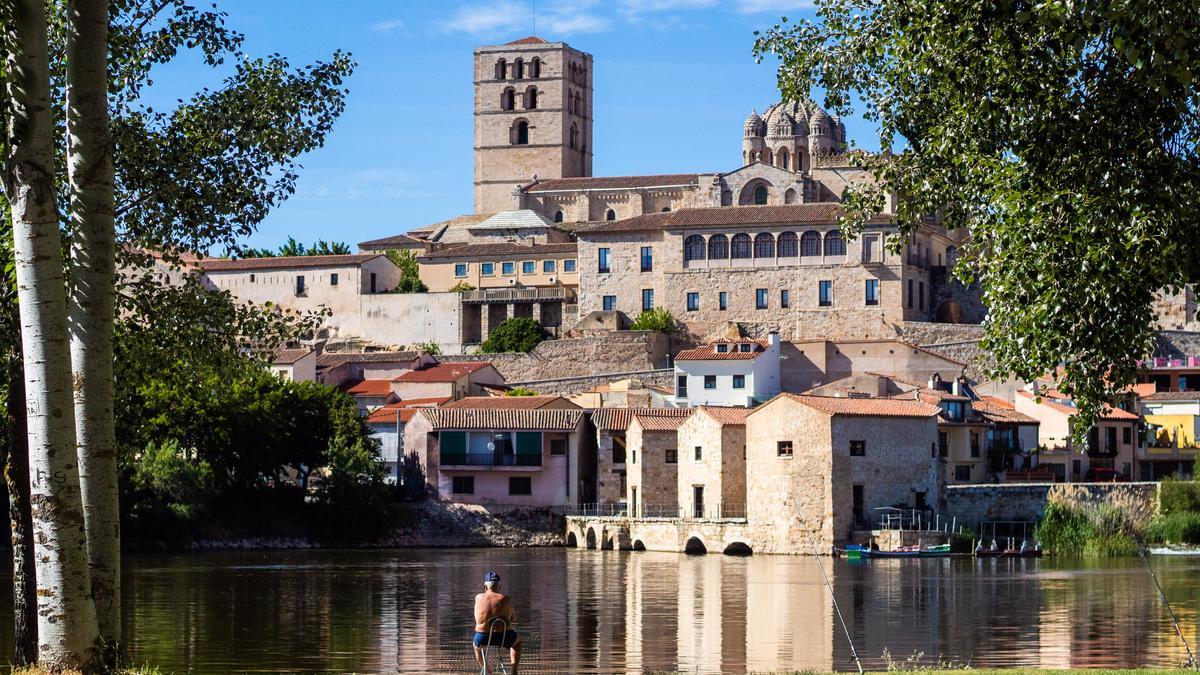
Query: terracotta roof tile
[[710, 353], [506, 249], [998, 410], [864, 407], [289, 262], [614, 182], [333, 359], [387, 414], [290, 356], [727, 415], [661, 422], [1173, 396], [368, 388], [443, 372], [531, 40], [476, 418], [508, 402], [618, 419], [1109, 413], [431, 402]]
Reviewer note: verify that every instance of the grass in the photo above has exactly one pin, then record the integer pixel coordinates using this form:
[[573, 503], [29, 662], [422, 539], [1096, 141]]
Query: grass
[[1100, 532], [135, 670], [1175, 528]]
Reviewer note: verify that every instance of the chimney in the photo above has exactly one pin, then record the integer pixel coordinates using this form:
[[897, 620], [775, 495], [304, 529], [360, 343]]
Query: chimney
[[956, 386], [935, 381], [773, 338]]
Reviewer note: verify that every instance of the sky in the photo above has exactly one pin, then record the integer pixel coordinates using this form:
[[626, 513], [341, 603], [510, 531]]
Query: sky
[[674, 81]]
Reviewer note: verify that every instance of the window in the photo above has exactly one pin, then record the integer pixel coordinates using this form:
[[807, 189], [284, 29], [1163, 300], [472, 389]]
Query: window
[[251, 278], [764, 245], [693, 248], [373, 280], [528, 267], [508, 268], [910, 293], [974, 443], [521, 133], [548, 266], [1127, 436], [953, 410], [647, 258], [783, 299], [760, 195], [609, 303], [787, 245], [535, 68], [943, 444], [666, 209], [870, 250], [610, 215], [671, 456], [783, 449], [558, 446], [722, 348], [500, 69], [463, 485], [300, 285], [825, 297], [568, 266], [760, 298], [921, 295], [333, 279], [460, 269], [858, 448], [722, 301], [739, 381], [693, 302], [718, 247], [710, 381], [810, 244], [573, 137], [744, 348], [487, 269], [558, 216], [520, 485], [834, 244], [602, 263], [508, 99], [962, 472], [633, 457], [518, 69], [647, 299], [531, 98], [872, 292], [740, 246], [699, 452], [681, 386]]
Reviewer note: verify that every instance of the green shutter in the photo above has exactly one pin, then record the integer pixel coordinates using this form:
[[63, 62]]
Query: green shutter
[[529, 443], [453, 447]]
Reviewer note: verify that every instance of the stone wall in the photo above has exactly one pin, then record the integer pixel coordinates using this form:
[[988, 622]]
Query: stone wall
[[603, 354], [972, 504], [648, 470], [1178, 343], [565, 386], [721, 469]]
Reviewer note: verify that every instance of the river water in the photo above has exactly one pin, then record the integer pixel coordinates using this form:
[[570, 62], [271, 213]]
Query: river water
[[607, 611]]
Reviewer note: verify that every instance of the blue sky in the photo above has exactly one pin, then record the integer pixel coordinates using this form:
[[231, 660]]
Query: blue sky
[[674, 81]]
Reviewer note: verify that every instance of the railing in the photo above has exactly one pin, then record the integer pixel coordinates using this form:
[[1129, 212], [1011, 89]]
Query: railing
[[659, 511], [488, 459], [596, 510], [621, 510], [533, 294], [1168, 362]]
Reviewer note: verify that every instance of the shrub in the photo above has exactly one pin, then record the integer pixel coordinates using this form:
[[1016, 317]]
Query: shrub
[[660, 319], [520, 391], [430, 348], [461, 287], [1178, 496], [1175, 528], [410, 271], [1100, 532], [518, 334]]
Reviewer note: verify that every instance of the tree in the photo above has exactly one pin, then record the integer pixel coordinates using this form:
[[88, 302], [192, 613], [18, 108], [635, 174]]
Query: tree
[[660, 319], [67, 627], [1063, 135], [461, 287], [520, 391], [410, 271], [293, 248], [518, 334]]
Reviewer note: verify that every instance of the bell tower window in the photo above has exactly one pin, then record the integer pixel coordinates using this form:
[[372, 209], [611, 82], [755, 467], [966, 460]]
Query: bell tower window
[[518, 69], [501, 69], [535, 68], [508, 99], [520, 133], [531, 98]]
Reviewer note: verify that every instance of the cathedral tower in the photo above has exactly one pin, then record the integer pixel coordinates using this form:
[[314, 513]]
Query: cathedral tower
[[533, 117]]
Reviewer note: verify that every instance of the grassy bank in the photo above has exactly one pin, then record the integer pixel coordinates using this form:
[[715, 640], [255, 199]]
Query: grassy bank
[[1104, 531]]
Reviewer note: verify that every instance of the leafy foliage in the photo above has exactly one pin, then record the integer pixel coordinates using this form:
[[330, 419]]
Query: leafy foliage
[[432, 348], [461, 287], [1181, 527], [517, 334], [1065, 135], [293, 248], [1178, 496], [520, 391], [1098, 532], [659, 319], [410, 271]]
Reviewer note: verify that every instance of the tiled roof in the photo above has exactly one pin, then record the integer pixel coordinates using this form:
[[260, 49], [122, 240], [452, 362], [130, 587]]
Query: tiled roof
[[476, 418], [531, 40], [387, 414], [817, 213], [618, 419], [661, 422], [519, 219], [727, 415], [443, 372], [507, 402], [287, 262], [394, 241], [614, 182], [710, 353], [1109, 412], [864, 407], [500, 249], [290, 356], [998, 410], [333, 359], [1173, 396], [368, 388]]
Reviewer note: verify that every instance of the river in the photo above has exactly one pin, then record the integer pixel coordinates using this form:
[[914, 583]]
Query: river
[[593, 611]]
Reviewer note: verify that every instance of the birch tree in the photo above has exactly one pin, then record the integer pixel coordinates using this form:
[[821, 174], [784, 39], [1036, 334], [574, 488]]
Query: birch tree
[[67, 628], [93, 252]]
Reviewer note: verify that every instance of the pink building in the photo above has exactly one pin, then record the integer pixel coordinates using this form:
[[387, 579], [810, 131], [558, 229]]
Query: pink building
[[1112, 444], [505, 457]]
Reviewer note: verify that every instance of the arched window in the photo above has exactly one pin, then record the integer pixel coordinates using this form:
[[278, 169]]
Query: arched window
[[789, 197], [766, 156], [786, 245], [501, 68], [570, 103], [782, 158], [535, 68], [610, 215], [558, 216], [764, 245], [718, 247], [834, 244], [726, 198], [578, 104], [666, 209], [520, 133], [739, 246], [518, 69], [693, 248], [531, 96], [760, 195], [574, 136], [810, 244], [508, 99], [799, 161]]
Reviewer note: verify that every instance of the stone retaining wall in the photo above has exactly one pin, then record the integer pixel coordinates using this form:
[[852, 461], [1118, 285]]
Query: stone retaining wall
[[601, 354], [565, 386], [972, 504]]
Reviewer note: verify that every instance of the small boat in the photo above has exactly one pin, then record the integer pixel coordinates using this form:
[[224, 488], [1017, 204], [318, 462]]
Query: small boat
[[857, 552], [1026, 551]]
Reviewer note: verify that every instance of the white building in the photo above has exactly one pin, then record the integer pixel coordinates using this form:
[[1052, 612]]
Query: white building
[[295, 365], [728, 373]]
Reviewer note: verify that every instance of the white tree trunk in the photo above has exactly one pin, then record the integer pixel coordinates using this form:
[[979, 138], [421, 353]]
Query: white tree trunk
[[93, 252], [67, 627]]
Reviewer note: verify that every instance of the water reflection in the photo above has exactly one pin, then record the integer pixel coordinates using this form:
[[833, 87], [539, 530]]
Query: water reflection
[[586, 611]]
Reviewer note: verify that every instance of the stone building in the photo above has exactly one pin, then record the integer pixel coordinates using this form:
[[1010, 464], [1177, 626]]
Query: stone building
[[712, 469], [612, 451], [817, 467], [652, 449], [338, 368]]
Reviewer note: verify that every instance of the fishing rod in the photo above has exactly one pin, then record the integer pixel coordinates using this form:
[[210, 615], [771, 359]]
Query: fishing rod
[[1191, 662], [853, 651]]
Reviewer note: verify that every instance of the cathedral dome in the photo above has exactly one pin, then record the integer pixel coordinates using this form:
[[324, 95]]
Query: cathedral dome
[[820, 122], [782, 124], [754, 124]]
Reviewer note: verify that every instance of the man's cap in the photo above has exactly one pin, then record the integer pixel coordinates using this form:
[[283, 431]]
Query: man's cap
[[491, 578]]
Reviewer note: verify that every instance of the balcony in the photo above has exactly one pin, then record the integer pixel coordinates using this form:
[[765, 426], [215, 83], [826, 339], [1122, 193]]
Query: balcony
[[488, 460], [1160, 362], [508, 295]]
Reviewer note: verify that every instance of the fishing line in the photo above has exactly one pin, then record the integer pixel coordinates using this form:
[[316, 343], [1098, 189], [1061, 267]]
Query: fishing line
[[1171, 612], [853, 651]]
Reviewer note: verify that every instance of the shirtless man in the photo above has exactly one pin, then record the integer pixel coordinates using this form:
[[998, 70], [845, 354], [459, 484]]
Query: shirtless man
[[492, 604]]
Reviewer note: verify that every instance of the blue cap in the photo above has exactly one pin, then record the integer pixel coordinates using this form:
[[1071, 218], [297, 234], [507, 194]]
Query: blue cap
[[491, 578]]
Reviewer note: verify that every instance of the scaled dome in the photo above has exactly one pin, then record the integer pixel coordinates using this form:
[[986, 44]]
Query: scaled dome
[[754, 124]]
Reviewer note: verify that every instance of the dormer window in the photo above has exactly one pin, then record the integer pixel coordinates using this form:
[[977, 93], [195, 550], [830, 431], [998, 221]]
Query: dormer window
[[721, 349], [953, 410], [744, 347]]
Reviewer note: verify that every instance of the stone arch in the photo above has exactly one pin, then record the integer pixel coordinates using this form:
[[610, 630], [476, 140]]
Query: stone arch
[[607, 538], [535, 68], [738, 548], [950, 312], [508, 98], [789, 197], [695, 546], [518, 68], [726, 198], [591, 539], [519, 133], [622, 540], [610, 215], [572, 540], [782, 158], [638, 545], [694, 248], [501, 69], [531, 98], [746, 196]]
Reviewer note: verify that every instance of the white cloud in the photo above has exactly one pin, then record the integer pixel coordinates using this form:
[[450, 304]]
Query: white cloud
[[387, 26], [498, 16], [756, 6], [643, 6], [566, 25], [488, 17]]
